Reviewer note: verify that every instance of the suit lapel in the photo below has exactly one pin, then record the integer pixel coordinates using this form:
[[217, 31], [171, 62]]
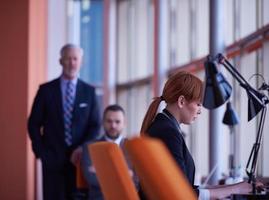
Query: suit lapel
[[58, 101], [78, 97]]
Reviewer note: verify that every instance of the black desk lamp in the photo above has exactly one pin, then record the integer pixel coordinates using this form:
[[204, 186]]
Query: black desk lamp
[[231, 119], [218, 90]]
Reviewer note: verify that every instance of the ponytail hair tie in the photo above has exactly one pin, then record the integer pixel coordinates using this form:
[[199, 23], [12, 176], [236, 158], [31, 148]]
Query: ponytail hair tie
[[161, 97]]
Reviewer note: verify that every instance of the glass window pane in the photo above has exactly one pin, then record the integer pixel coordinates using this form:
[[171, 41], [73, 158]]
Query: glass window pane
[[91, 40]]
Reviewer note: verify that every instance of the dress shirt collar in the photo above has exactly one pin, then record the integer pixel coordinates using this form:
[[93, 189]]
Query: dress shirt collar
[[73, 81], [116, 141]]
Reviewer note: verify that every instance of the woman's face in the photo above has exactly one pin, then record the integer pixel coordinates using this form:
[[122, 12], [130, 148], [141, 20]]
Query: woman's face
[[190, 111]]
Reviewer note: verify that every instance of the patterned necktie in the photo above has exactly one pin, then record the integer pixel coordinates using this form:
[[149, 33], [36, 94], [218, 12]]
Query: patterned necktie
[[68, 112]]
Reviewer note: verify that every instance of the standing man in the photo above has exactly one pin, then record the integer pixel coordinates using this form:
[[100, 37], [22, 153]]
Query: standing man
[[113, 123], [65, 114]]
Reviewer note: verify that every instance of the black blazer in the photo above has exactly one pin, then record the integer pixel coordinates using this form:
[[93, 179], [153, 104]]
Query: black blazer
[[166, 128], [46, 124]]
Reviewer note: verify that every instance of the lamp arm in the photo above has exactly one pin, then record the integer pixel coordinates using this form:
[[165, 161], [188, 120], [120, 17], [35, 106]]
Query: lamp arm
[[243, 83], [252, 160], [222, 60]]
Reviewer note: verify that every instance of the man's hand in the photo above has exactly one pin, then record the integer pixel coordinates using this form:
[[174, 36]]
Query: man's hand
[[76, 156]]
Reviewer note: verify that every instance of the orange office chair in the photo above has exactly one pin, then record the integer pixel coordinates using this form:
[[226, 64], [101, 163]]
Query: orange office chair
[[112, 171], [159, 176], [81, 184]]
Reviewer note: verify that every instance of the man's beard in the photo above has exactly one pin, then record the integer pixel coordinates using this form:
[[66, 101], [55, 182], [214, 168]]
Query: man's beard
[[113, 137]]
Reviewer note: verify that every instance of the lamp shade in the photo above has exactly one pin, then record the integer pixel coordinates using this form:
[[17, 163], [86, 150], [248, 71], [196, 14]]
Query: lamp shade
[[217, 89], [230, 117], [255, 103]]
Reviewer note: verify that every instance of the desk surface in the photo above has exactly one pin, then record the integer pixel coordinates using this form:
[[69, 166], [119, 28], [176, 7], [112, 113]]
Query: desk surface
[[250, 196]]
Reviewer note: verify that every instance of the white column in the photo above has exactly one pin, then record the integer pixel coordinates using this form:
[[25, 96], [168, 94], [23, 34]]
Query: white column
[[163, 42], [112, 51], [57, 35], [216, 115]]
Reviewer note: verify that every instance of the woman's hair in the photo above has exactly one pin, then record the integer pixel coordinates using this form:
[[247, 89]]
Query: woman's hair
[[181, 83]]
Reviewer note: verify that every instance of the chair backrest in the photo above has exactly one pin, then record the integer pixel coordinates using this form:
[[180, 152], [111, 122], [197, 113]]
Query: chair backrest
[[159, 176], [112, 171], [82, 187], [81, 183]]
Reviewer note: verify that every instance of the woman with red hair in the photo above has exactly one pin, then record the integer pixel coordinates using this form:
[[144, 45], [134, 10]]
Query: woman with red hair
[[183, 94]]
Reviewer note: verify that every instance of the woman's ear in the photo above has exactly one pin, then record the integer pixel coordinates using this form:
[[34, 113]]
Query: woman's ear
[[181, 101]]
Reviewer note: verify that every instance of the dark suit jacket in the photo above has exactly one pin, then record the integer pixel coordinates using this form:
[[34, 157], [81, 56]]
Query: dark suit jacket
[[165, 128], [46, 124]]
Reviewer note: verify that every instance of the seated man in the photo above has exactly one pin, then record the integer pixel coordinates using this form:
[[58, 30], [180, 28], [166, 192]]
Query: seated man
[[113, 123]]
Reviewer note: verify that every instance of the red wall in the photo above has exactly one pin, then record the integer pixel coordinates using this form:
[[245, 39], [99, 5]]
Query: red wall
[[23, 54]]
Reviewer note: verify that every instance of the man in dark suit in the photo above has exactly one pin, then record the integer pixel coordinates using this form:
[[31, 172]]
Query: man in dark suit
[[113, 123], [65, 114]]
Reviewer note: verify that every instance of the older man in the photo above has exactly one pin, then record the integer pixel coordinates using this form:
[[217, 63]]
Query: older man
[[65, 114]]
